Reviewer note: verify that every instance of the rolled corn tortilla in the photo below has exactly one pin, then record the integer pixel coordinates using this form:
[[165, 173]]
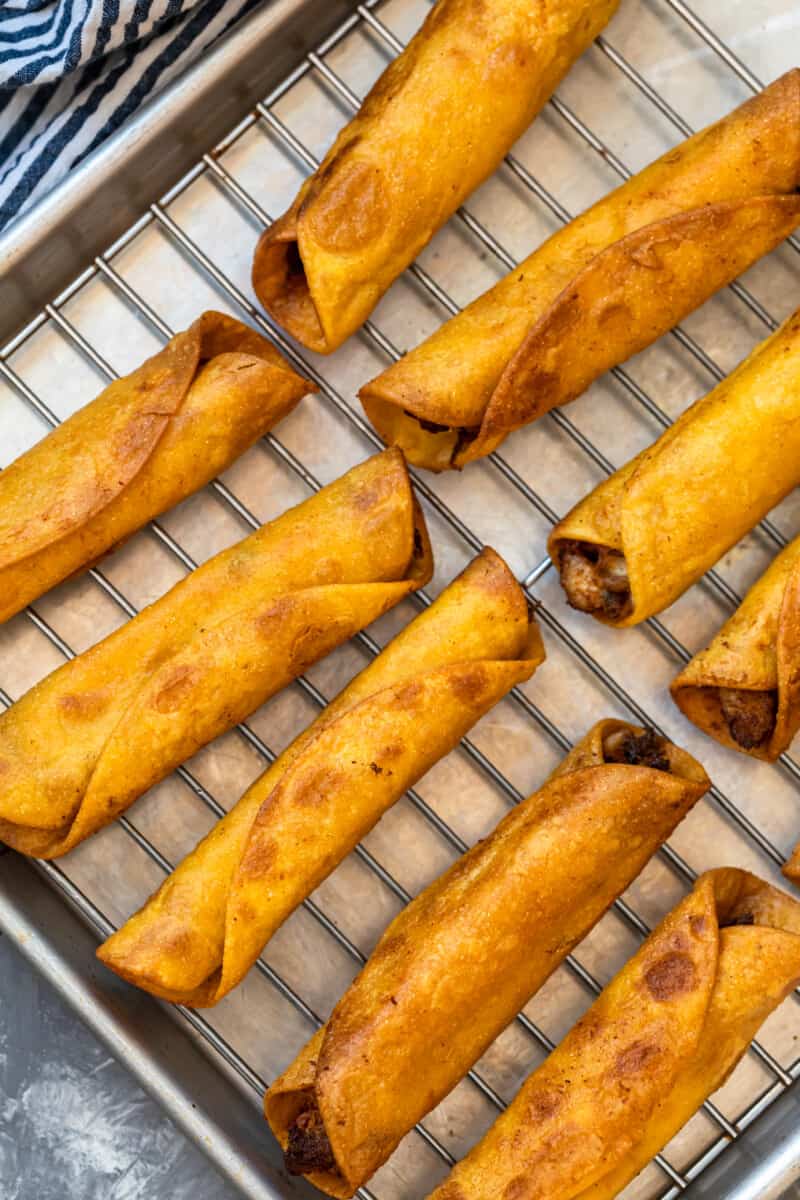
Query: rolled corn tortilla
[[434, 126], [664, 1035], [791, 868], [600, 289], [744, 688], [458, 964], [205, 927], [88, 740], [143, 445], [644, 535]]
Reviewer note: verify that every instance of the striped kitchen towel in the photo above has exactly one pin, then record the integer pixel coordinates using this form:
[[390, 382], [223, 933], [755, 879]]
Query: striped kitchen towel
[[73, 71]]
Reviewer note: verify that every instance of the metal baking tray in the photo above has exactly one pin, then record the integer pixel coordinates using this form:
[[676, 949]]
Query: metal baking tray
[[160, 224]]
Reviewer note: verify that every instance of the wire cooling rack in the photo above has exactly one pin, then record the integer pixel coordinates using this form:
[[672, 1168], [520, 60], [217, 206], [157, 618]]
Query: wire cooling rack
[[192, 250]]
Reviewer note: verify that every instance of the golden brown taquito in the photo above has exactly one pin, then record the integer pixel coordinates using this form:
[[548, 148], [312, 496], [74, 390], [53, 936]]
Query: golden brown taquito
[[664, 1035], [744, 688], [434, 126], [202, 931], [600, 289], [644, 535], [791, 868], [458, 964], [84, 743], [143, 445]]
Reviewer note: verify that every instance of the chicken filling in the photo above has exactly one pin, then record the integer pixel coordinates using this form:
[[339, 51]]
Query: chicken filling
[[595, 579], [750, 716], [645, 749], [308, 1149]]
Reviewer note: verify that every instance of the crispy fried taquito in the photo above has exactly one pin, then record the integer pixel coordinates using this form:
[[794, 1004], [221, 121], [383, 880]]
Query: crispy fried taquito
[[456, 966], [600, 289], [744, 688], [791, 868], [89, 739], [664, 1035], [202, 931], [437, 122], [644, 535], [143, 445]]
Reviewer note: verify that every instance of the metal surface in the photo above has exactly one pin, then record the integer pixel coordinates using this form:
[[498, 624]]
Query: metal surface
[[192, 249]]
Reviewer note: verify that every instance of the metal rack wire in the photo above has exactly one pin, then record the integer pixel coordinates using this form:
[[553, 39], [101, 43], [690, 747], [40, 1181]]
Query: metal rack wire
[[366, 19]]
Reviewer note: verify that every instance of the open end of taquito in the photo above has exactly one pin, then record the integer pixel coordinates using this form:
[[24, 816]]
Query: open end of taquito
[[663, 1035], [594, 578], [282, 285], [613, 741], [466, 955], [743, 689]]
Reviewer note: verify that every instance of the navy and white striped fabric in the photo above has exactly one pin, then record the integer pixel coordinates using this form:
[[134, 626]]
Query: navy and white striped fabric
[[72, 71]]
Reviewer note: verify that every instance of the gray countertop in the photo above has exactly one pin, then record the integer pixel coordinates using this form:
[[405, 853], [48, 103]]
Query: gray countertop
[[73, 1123]]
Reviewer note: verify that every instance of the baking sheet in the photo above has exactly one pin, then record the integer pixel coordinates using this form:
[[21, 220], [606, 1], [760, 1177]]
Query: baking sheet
[[258, 1021]]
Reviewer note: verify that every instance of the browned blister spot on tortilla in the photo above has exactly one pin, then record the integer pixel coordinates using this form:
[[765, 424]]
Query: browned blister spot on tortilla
[[613, 311], [592, 1025], [179, 682], [470, 686], [518, 1188], [318, 783], [353, 210], [376, 492], [278, 610], [137, 436], [261, 854], [305, 649], [408, 693], [391, 752], [537, 384], [673, 975], [390, 946], [697, 923], [327, 570], [511, 58], [544, 1105], [633, 1058], [84, 705], [175, 941]]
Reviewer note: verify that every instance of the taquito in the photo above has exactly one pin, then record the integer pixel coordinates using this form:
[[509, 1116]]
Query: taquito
[[457, 965], [645, 534], [600, 289], [434, 126], [205, 927], [791, 868], [143, 445], [664, 1035], [84, 743], [744, 688]]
